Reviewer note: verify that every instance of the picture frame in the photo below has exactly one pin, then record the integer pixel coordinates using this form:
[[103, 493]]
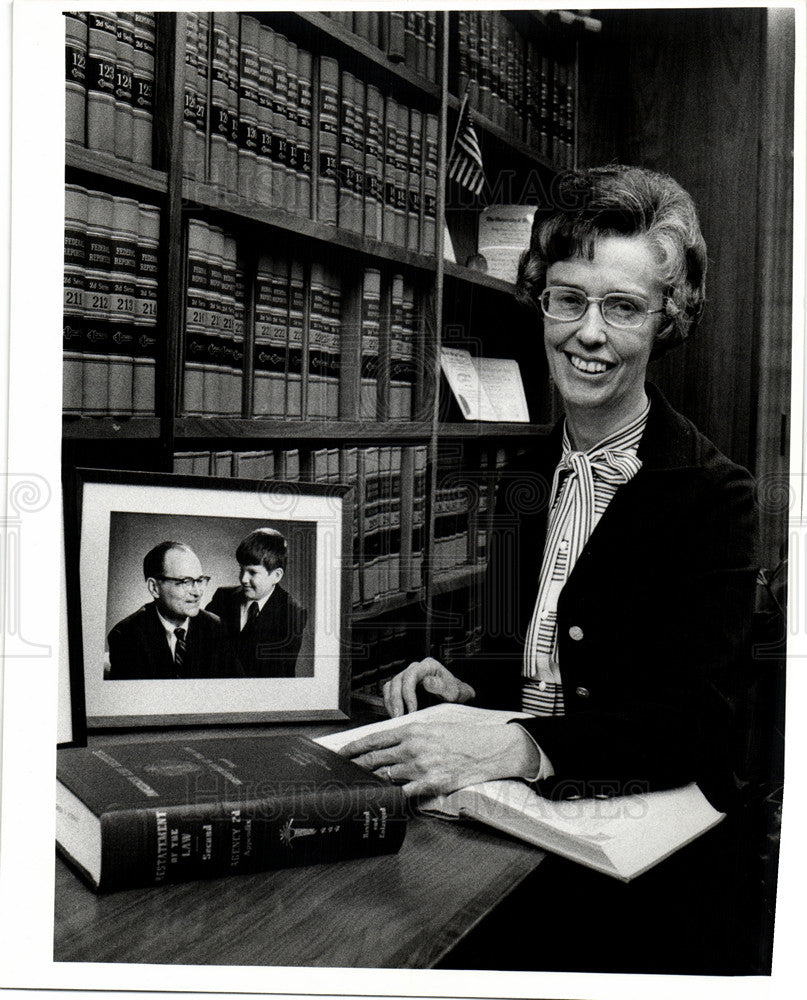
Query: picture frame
[[121, 516]]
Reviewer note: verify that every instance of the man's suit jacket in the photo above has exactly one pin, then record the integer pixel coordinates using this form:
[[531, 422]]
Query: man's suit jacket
[[269, 646], [139, 650], [653, 622]]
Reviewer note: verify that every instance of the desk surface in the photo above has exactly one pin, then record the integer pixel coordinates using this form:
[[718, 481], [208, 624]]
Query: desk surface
[[398, 911]]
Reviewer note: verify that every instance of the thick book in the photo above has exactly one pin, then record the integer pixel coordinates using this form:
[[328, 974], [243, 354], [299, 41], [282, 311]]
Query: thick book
[[622, 836], [149, 814]]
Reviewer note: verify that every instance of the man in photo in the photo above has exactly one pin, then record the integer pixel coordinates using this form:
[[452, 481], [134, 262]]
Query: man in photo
[[172, 637], [264, 621]]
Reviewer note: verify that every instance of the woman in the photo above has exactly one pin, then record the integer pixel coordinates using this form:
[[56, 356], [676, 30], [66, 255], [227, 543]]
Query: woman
[[624, 543]]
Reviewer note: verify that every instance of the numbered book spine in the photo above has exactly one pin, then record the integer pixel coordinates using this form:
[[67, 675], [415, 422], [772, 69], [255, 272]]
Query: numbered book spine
[[126, 222], [101, 47], [214, 392], [298, 363], [327, 174], [406, 493], [373, 161], [75, 262], [370, 571], [390, 150], [349, 206], [248, 88], [143, 87], [145, 319], [197, 316], [357, 151], [271, 336], [75, 77], [264, 170], [349, 475], [190, 152], [370, 318], [333, 348], [202, 95], [219, 122], [280, 123], [395, 509], [414, 181], [292, 128], [418, 517], [98, 289], [384, 519], [401, 174], [397, 386], [304, 119], [430, 138], [406, 348], [124, 82], [232, 353], [232, 101]]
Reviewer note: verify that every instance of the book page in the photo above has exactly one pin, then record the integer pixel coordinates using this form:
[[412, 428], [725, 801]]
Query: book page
[[468, 390], [501, 378]]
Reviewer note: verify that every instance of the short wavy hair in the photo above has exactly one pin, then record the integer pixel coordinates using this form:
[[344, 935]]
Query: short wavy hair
[[264, 546], [623, 201]]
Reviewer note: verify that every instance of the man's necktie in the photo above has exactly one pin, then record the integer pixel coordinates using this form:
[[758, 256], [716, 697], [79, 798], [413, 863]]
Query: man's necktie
[[181, 648], [252, 613]]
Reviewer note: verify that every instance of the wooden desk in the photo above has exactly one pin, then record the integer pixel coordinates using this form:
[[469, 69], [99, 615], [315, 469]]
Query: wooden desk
[[400, 911]]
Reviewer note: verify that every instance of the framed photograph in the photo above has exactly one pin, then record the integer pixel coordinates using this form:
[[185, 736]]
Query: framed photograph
[[204, 600]]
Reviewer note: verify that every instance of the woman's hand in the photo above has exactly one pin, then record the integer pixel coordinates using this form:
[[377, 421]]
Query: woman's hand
[[433, 758], [400, 693]]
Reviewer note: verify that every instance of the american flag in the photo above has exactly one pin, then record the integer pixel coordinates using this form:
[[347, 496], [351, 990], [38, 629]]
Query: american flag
[[465, 160]]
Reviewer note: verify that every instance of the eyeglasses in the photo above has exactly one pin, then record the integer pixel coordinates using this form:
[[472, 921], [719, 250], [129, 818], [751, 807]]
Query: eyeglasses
[[620, 309], [187, 582]]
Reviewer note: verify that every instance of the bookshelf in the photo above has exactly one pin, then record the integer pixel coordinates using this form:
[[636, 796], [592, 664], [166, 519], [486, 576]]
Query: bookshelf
[[297, 165]]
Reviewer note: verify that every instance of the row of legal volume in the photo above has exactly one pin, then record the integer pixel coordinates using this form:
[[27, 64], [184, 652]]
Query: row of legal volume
[[109, 98], [250, 101], [110, 303], [525, 87], [408, 37], [389, 514]]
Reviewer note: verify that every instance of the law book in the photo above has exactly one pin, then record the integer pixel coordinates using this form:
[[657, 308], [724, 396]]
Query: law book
[[232, 299], [101, 47], [420, 42], [248, 87], [394, 522], [143, 87], [622, 836], [221, 463], [327, 168], [463, 51], [214, 368], [395, 36], [202, 96], [145, 315], [414, 181], [332, 346], [431, 45], [318, 343], [271, 337], [349, 474], [253, 464], [371, 527], [232, 23], [124, 76], [370, 320], [292, 100], [197, 316], [304, 123], [75, 262], [401, 174], [219, 121], [350, 214], [280, 95], [356, 139], [133, 815], [384, 520], [410, 39], [288, 465], [407, 372], [297, 361], [399, 391], [389, 150], [190, 152], [123, 293], [192, 463], [373, 163], [421, 455], [97, 294], [75, 23], [264, 169], [483, 43], [429, 224]]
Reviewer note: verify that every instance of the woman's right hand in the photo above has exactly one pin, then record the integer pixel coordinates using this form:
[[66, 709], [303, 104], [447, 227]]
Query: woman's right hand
[[400, 693]]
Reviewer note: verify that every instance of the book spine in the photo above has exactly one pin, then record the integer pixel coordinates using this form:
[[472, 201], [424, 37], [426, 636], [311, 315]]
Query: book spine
[[396, 36], [370, 589], [390, 149], [101, 46], [401, 175], [545, 107], [349, 208], [419, 517], [219, 122], [98, 288], [430, 139], [414, 181], [349, 474], [271, 337], [231, 353], [410, 39], [280, 95], [384, 519], [463, 52], [333, 357], [126, 222], [357, 138], [332, 822], [75, 262], [292, 102], [145, 319], [75, 77], [214, 376], [143, 87], [397, 389], [370, 317], [202, 95], [304, 119], [483, 43], [317, 344], [248, 87], [327, 174], [407, 372], [190, 152], [373, 173], [265, 169], [395, 509], [406, 493], [473, 59], [232, 29], [294, 378], [431, 45], [197, 317], [496, 72]]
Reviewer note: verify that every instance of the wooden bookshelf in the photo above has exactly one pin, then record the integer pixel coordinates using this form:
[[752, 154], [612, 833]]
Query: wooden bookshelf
[[271, 228]]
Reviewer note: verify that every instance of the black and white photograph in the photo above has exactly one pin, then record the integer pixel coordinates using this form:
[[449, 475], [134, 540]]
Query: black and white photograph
[[429, 416]]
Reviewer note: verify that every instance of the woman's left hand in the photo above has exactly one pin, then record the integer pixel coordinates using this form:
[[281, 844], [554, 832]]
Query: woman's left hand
[[434, 758]]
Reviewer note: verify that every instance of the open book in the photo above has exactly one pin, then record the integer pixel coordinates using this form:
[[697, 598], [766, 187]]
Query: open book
[[621, 836]]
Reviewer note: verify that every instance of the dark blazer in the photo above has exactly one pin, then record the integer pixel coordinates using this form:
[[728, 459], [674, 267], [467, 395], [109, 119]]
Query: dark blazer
[[139, 650], [268, 647], [653, 623]]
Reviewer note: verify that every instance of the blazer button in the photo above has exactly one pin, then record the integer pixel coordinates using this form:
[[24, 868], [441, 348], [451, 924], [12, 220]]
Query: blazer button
[[576, 633], [582, 692]]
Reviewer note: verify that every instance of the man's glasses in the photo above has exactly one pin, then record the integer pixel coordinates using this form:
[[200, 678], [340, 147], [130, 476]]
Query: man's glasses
[[620, 309], [187, 582]]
